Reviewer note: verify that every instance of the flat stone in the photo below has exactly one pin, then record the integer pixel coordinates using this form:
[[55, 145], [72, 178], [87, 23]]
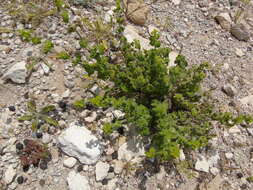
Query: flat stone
[[79, 142], [77, 181], [240, 32], [9, 175], [69, 162], [91, 118], [17, 73], [102, 169], [202, 165], [234, 129], [224, 20], [239, 52], [137, 12], [131, 149], [248, 100], [229, 90], [131, 34]]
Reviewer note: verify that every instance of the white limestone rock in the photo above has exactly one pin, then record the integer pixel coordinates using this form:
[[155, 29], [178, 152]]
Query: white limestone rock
[[77, 181], [80, 143], [102, 169]]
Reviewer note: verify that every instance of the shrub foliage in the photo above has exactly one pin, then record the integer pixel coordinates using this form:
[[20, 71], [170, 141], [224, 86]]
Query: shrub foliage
[[164, 103]]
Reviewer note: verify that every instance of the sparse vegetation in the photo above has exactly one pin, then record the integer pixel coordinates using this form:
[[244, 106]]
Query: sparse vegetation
[[36, 117]]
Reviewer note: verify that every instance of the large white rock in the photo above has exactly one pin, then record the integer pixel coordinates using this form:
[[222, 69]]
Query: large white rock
[[9, 175], [131, 34], [102, 169], [78, 142], [77, 181], [17, 73]]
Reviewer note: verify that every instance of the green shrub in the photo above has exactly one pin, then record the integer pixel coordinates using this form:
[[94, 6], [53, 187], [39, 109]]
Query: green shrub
[[65, 16], [164, 104], [47, 46], [63, 55]]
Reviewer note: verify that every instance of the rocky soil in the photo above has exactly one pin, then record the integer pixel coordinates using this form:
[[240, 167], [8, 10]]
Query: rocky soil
[[80, 157]]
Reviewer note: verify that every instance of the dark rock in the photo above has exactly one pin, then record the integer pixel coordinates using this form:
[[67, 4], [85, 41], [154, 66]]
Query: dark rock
[[20, 179], [12, 108], [121, 130], [239, 175], [19, 146], [115, 155], [105, 181], [39, 135], [79, 168], [111, 169], [43, 165]]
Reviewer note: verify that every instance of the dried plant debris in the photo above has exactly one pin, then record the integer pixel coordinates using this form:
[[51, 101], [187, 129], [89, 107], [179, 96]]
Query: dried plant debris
[[33, 153]]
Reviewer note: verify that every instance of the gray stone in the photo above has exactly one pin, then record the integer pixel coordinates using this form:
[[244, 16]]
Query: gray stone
[[224, 20], [129, 150], [239, 52], [240, 32], [102, 169], [229, 90], [91, 118], [17, 73], [77, 181], [80, 143]]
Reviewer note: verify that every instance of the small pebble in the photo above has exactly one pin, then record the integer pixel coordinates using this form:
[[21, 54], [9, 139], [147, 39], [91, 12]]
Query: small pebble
[[239, 175], [79, 168], [39, 135], [43, 165], [105, 181], [19, 146], [12, 108], [20, 179], [115, 155], [42, 182], [111, 169]]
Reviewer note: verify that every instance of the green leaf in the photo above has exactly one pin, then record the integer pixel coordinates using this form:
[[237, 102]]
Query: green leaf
[[47, 109], [31, 105], [50, 120], [25, 118], [35, 124]]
